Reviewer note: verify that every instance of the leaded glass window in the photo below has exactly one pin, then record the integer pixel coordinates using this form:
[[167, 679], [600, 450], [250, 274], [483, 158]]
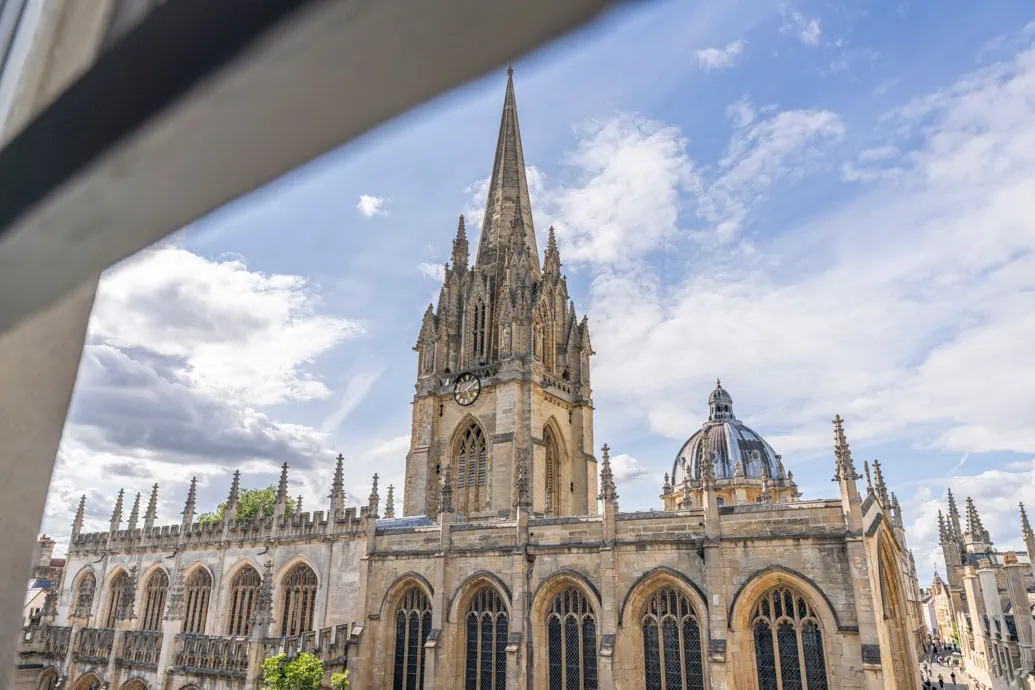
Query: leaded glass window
[[472, 471], [485, 666], [154, 600], [672, 654], [412, 625], [571, 642], [479, 332], [788, 643], [84, 594], [116, 597], [299, 600], [197, 592], [244, 589]]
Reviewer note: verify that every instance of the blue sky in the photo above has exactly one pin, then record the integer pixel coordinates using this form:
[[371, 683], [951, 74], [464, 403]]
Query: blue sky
[[827, 205]]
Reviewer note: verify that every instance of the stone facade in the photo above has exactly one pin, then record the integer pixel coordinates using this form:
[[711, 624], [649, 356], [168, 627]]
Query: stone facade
[[987, 606], [512, 565]]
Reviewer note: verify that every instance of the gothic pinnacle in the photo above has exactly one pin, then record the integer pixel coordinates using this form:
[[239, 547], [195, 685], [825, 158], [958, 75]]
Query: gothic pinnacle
[[134, 513], [235, 491], [192, 498], [338, 487], [942, 535], [373, 500], [974, 526], [608, 490], [80, 513], [282, 487], [116, 513], [390, 502], [298, 505], [152, 508], [1026, 531], [880, 486], [869, 480], [461, 251], [844, 466]]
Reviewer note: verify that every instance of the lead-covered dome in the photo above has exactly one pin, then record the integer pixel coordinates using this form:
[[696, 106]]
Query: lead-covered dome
[[736, 449]]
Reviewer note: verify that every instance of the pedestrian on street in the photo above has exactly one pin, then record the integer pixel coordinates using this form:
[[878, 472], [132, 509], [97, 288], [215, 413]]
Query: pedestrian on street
[[953, 676], [941, 681]]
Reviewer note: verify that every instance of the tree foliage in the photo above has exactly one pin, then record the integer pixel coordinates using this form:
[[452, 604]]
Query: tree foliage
[[304, 672], [251, 502]]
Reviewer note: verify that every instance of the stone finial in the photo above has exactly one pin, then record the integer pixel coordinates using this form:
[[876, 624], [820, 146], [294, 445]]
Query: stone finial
[[337, 495], [879, 485], [445, 491], [134, 513], [234, 497], [869, 479], [608, 490], [974, 526], [844, 465], [175, 607], [298, 505], [191, 503], [461, 252], [1026, 531], [373, 500], [80, 514], [282, 487], [152, 509], [116, 513], [390, 502], [125, 610], [522, 495], [666, 488], [262, 616]]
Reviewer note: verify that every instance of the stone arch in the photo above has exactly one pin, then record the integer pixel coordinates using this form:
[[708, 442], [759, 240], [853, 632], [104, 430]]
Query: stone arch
[[88, 681], [464, 592], [399, 587], [241, 591], [486, 598], [543, 600], [629, 657], [134, 683], [288, 565], [407, 603], [84, 591], [296, 584], [741, 643], [47, 679], [557, 471], [469, 465]]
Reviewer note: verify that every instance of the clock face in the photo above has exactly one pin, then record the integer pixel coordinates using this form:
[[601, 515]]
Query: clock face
[[466, 389]]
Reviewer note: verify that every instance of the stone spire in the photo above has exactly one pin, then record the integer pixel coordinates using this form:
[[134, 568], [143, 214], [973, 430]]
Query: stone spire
[[134, 513], [1029, 538], [80, 513], [974, 526], [390, 502], [282, 488], [461, 252], [262, 617], [943, 535], [116, 514], [508, 209], [954, 519], [338, 488], [608, 490], [552, 257], [190, 505], [880, 486], [151, 514], [373, 500], [869, 479], [298, 505], [844, 466], [896, 511]]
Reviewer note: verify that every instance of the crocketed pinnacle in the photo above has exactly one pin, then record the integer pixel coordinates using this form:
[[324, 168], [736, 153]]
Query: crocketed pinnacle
[[943, 535], [373, 500], [338, 487], [192, 498], [880, 486], [152, 508], [80, 513], [974, 526], [844, 465], [235, 491], [116, 513], [608, 490], [390, 502], [461, 252], [1026, 531], [508, 199], [134, 513], [282, 487]]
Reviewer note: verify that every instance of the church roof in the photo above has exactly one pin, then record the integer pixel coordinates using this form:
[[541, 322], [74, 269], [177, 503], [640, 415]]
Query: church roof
[[736, 449]]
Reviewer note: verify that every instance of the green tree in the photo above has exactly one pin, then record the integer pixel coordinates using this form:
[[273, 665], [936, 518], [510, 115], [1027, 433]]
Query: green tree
[[304, 672], [250, 504]]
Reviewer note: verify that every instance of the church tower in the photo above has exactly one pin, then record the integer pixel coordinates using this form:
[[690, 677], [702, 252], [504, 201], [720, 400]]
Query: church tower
[[503, 367]]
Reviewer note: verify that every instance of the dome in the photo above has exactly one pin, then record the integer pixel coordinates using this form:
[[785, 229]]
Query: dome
[[730, 443]]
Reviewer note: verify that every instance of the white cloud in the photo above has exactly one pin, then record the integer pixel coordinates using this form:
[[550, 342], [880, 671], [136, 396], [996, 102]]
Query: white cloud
[[626, 468], [371, 206], [436, 272], [720, 58], [805, 29]]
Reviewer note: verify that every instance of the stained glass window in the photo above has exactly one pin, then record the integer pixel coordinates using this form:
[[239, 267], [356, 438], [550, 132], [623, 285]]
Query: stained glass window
[[571, 643], [672, 654], [154, 600], [412, 625], [299, 600], [197, 592], [244, 589], [788, 643], [487, 630]]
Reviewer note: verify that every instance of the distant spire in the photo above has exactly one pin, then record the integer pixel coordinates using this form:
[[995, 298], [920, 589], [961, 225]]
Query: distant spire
[[152, 509], [880, 486], [608, 490], [390, 502], [282, 488], [974, 526], [373, 500], [507, 207], [943, 535], [80, 513], [189, 506], [338, 488], [235, 493], [298, 505], [134, 513], [116, 514], [461, 251], [1026, 530], [955, 528]]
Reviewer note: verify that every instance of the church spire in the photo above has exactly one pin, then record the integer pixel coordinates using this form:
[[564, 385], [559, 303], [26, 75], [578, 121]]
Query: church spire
[[338, 488], [152, 509], [508, 209], [134, 513], [461, 253]]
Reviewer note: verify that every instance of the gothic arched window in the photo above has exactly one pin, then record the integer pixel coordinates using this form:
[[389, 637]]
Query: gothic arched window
[[571, 629], [84, 594], [244, 589], [672, 657], [412, 625], [154, 600], [788, 643], [472, 470], [479, 331], [197, 593], [299, 600], [116, 596], [553, 470], [487, 627]]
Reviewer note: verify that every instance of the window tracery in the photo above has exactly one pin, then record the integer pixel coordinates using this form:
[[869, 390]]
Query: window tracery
[[244, 589], [553, 470], [116, 596], [788, 642], [299, 600], [198, 591], [154, 600], [84, 594], [571, 642], [672, 655], [412, 625], [487, 628], [472, 470]]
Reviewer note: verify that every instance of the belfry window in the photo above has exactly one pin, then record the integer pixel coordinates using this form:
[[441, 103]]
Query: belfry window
[[84, 595], [412, 625], [479, 331], [788, 643], [244, 589], [154, 600], [472, 470], [116, 597], [571, 629], [672, 656], [553, 470], [487, 627], [198, 591], [299, 601]]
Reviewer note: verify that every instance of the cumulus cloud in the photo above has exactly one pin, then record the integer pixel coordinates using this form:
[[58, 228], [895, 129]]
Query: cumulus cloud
[[436, 272], [805, 29], [371, 206], [626, 468], [720, 58]]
